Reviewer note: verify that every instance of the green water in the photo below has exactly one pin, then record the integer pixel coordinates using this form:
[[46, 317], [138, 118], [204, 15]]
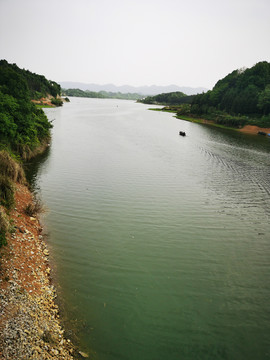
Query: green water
[[161, 242]]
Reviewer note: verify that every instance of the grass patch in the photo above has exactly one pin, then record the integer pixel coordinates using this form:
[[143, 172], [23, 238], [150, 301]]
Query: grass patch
[[6, 192], [44, 106], [11, 168], [4, 227]]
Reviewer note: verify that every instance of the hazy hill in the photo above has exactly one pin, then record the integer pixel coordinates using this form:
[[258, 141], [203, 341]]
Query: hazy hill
[[144, 90]]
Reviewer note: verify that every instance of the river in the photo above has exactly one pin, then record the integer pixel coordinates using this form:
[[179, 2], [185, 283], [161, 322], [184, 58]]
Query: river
[[161, 242]]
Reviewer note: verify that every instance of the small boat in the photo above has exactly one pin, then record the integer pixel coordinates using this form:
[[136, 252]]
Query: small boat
[[182, 133], [262, 133]]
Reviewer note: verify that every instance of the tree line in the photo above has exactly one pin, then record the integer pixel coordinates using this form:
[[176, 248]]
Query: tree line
[[101, 94], [172, 98]]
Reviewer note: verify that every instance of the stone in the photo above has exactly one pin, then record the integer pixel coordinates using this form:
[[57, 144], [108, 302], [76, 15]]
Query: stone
[[83, 354]]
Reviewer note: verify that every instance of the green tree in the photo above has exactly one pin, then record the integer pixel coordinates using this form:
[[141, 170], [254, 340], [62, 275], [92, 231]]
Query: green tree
[[264, 100]]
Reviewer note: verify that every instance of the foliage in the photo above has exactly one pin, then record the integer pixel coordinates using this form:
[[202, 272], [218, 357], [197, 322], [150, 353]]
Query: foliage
[[23, 127], [241, 94], [21, 122], [172, 98], [264, 100], [57, 102], [36, 86], [100, 94], [10, 171], [6, 192], [4, 227], [183, 109], [11, 168]]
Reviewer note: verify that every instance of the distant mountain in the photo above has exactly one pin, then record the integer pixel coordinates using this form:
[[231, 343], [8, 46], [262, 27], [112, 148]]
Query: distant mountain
[[144, 90]]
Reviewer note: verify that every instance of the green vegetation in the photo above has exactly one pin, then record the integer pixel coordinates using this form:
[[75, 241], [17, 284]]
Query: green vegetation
[[57, 102], [36, 85], [11, 168], [24, 129], [23, 126], [172, 98], [100, 94], [10, 171], [242, 97], [4, 226]]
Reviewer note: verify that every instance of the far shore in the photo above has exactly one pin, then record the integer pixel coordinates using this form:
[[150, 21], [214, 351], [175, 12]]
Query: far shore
[[247, 129]]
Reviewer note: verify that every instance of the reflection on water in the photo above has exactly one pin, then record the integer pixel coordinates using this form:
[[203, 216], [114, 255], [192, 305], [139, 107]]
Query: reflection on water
[[161, 242], [32, 167]]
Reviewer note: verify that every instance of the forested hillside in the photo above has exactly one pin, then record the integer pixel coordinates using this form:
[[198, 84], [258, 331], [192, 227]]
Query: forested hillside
[[172, 98], [38, 86], [100, 94], [243, 95], [23, 126]]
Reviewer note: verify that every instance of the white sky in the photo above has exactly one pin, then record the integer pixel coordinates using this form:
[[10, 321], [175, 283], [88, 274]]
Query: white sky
[[135, 42]]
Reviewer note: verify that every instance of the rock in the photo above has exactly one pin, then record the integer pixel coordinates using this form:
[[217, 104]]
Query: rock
[[83, 354], [54, 352]]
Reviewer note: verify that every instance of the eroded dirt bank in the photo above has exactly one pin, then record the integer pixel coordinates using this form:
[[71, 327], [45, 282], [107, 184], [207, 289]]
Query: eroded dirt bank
[[29, 319], [251, 129]]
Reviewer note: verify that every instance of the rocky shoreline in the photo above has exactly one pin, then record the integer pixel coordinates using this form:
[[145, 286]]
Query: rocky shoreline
[[29, 318]]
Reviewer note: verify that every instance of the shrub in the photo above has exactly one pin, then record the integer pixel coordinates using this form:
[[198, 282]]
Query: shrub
[[4, 226], [33, 208], [6, 192], [11, 168], [57, 102]]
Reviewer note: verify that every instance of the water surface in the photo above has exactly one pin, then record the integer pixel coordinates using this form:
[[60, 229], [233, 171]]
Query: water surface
[[161, 242]]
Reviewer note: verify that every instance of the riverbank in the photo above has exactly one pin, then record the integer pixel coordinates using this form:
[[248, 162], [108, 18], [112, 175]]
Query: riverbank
[[50, 101], [247, 129], [252, 129], [29, 325]]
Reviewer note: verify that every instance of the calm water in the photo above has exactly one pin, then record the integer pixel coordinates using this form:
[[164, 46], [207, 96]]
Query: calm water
[[161, 242]]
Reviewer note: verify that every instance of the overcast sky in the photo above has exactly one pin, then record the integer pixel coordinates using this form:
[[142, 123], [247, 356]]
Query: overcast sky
[[135, 42]]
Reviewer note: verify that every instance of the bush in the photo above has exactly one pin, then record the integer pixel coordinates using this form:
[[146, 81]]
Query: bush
[[232, 121], [4, 226], [57, 102], [6, 192], [33, 208], [11, 168]]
